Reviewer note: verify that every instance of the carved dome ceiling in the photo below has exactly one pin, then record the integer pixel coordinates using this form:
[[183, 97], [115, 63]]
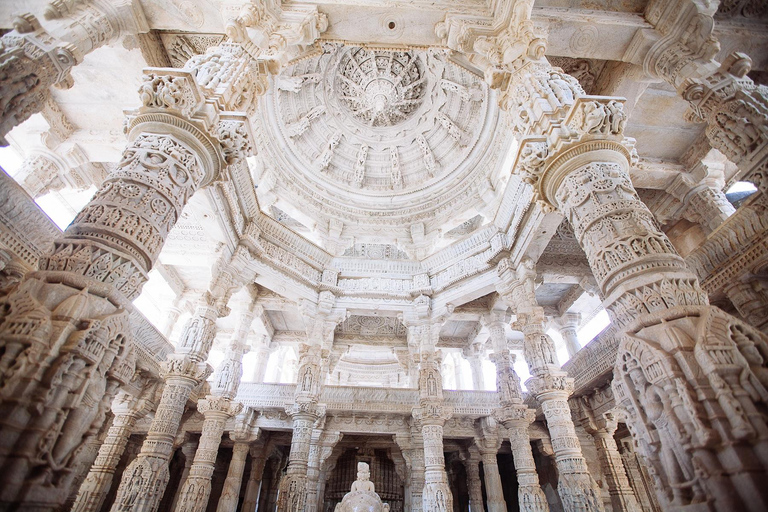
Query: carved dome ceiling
[[379, 140]]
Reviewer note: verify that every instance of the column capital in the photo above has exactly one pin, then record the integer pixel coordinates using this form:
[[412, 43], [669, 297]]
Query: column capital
[[218, 406], [432, 413], [179, 366], [241, 448], [510, 416], [308, 410], [568, 321], [551, 384]]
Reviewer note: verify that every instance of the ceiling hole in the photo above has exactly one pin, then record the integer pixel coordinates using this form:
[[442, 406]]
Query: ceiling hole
[[391, 25]]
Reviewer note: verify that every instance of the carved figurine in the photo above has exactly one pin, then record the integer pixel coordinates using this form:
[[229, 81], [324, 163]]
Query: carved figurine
[[362, 496]]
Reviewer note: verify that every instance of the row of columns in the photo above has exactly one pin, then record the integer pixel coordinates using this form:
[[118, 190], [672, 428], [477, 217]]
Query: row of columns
[[581, 168], [192, 124]]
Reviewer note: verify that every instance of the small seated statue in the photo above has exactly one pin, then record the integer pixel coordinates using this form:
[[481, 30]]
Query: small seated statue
[[362, 497]]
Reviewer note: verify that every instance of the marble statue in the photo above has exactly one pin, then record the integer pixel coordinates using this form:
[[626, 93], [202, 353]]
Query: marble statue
[[362, 497]]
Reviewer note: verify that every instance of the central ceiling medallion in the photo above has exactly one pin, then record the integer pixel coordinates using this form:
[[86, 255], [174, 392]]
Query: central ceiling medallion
[[380, 88]]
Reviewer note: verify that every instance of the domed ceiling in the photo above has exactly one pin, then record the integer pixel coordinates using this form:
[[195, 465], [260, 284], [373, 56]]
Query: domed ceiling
[[379, 144]]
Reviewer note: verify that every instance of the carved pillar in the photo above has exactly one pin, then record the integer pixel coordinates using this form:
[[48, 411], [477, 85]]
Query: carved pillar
[[551, 387], [217, 409], [68, 322], [313, 470], [172, 316], [474, 354], [412, 447], [263, 351], [230, 494], [670, 376], [196, 490], [305, 411], [488, 444], [602, 430], [472, 466], [705, 202], [188, 449], [293, 486], [734, 108], [567, 325], [32, 59], [530, 496], [431, 416], [144, 480], [253, 489], [127, 410], [639, 479], [750, 297]]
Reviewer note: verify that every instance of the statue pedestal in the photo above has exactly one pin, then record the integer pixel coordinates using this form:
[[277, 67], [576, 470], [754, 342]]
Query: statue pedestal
[[361, 501]]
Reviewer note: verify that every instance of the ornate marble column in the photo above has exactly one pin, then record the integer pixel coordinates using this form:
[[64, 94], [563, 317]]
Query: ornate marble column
[[196, 490], [431, 416], [230, 494], [551, 387], [722, 95], [412, 447], [217, 408], [77, 336], [188, 449], [567, 325], [474, 354], [488, 444], [293, 487], [172, 316], [705, 202], [313, 469], [263, 352], [32, 59], [516, 417], [144, 480], [680, 393], [750, 297], [306, 410], [472, 466], [253, 488], [127, 409], [602, 430]]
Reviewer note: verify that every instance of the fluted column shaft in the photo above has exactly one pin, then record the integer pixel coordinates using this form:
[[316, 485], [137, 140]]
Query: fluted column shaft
[[230, 494], [94, 489]]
